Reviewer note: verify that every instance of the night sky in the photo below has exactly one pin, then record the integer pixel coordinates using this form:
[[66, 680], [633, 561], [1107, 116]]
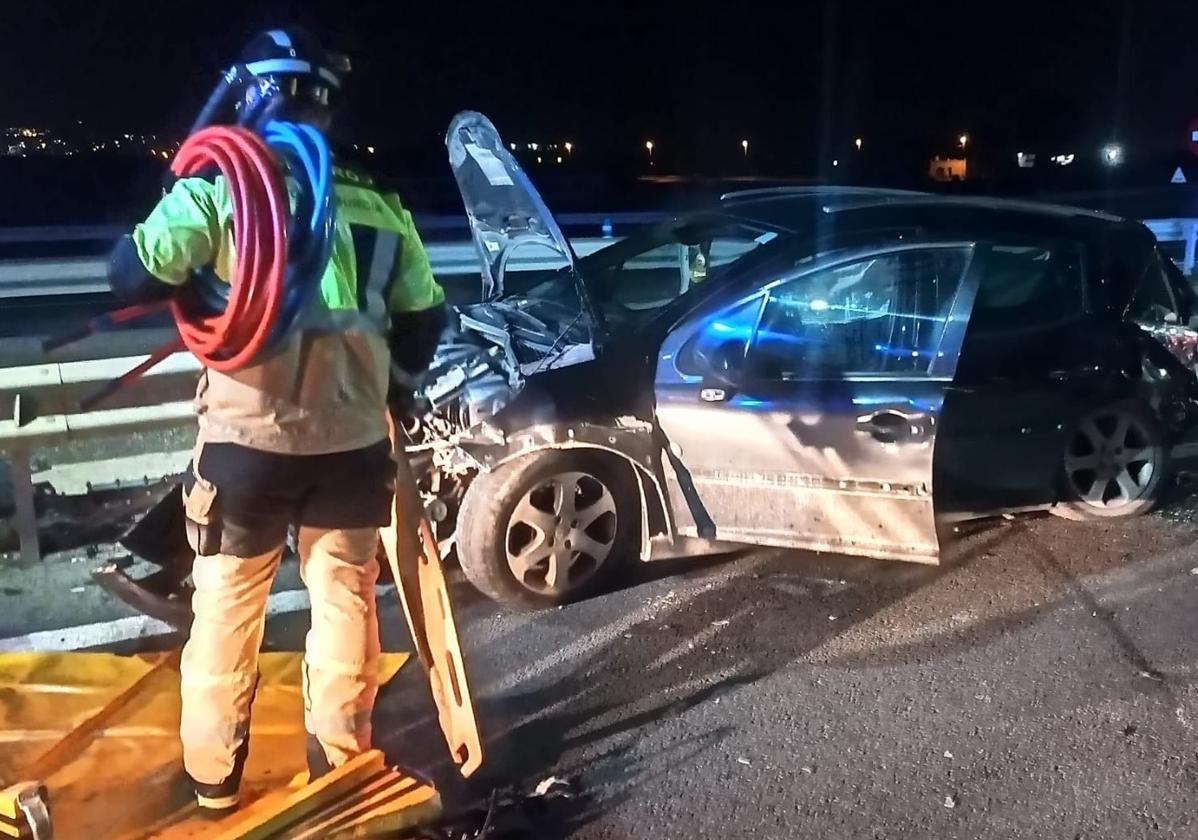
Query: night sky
[[696, 77]]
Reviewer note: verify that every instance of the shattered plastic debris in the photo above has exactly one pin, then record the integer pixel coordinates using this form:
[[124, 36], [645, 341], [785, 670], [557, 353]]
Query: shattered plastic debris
[[78, 589], [743, 761], [721, 623], [950, 801], [807, 770], [948, 755], [552, 808], [1194, 571], [545, 786]]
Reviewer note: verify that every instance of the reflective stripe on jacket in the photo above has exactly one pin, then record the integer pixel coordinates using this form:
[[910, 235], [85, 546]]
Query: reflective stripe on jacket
[[325, 389]]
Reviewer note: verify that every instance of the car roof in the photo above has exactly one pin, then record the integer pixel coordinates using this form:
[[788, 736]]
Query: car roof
[[797, 209]]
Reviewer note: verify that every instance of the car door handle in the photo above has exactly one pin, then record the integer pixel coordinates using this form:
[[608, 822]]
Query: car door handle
[[892, 426]]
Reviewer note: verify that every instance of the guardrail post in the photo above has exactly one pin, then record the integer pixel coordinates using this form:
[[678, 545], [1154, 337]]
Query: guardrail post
[[26, 515], [1191, 241]]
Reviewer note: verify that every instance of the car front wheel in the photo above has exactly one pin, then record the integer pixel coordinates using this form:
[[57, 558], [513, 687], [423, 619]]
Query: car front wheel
[[548, 528], [1115, 464]]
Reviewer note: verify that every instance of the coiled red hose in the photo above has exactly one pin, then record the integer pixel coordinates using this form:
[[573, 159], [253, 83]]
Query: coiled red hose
[[231, 339]]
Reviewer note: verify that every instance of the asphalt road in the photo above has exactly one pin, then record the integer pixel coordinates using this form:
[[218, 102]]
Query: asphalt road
[[1039, 684]]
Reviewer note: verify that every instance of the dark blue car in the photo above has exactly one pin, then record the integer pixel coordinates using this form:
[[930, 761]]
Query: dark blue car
[[843, 370]]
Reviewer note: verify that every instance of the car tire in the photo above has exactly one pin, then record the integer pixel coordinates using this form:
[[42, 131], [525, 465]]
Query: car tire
[[514, 544], [1115, 464]]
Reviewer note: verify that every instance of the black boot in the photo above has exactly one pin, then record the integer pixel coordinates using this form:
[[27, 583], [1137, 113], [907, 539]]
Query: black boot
[[220, 799], [318, 762]]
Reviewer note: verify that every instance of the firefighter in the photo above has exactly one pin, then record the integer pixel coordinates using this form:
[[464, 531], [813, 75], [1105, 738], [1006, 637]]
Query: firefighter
[[297, 439]]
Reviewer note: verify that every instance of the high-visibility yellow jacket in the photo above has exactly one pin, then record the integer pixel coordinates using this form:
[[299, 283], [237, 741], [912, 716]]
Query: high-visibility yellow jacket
[[325, 389]]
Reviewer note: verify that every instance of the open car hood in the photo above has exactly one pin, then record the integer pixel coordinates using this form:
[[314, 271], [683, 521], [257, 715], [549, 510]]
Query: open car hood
[[504, 208]]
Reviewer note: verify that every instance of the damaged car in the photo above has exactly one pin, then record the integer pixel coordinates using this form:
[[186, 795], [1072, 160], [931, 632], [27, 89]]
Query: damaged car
[[825, 368], [832, 369]]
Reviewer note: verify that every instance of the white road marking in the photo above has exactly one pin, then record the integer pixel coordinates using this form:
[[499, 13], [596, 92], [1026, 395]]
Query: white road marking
[[131, 627]]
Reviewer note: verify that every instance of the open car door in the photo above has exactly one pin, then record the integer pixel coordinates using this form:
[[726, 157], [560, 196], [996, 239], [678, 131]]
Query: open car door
[[803, 412]]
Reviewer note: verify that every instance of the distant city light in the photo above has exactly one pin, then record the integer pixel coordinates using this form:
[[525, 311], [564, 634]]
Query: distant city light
[[370, 149], [532, 146], [559, 158], [538, 159], [1025, 160], [963, 140], [744, 144], [836, 163], [513, 147], [858, 143], [569, 147], [1112, 154], [1063, 160]]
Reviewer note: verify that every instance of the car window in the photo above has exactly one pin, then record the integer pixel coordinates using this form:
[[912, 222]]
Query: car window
[[726, 334], [883, 314], [1155, 302], [1028, 288], [679, 259]]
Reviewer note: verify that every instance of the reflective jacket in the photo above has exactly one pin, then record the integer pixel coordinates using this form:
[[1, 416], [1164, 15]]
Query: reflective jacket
[[325, 389]]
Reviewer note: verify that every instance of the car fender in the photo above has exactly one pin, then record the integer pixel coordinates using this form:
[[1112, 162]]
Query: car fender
[[627, 438]]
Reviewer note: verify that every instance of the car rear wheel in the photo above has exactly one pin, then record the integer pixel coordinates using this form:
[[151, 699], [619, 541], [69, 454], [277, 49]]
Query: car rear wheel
[[548, 528], [1115, 464]]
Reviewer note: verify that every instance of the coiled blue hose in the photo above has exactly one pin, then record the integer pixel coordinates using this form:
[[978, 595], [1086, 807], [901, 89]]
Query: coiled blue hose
[[313, 223], [311, 229]]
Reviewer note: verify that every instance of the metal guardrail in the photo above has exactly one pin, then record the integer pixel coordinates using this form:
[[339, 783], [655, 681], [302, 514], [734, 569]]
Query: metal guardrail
[[1178, 230], [40, 401], [28, 278], [425, 223], [88, 275], [37, 402]]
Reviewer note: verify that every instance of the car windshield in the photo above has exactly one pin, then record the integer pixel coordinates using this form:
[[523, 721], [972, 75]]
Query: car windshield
[[631, 280]]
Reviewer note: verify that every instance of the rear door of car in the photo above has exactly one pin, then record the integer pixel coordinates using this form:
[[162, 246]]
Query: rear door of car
[[804, 413], [1036, 357]]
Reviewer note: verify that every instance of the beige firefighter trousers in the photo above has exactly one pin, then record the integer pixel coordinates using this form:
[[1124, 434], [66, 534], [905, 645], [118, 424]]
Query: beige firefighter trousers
[[220, 660]]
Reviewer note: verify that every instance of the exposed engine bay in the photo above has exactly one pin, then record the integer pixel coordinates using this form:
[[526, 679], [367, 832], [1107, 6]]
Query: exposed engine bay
[[480, 367]]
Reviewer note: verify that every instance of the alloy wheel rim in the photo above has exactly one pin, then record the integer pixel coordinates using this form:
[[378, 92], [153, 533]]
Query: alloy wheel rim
[[1112, 460], [561, 533]]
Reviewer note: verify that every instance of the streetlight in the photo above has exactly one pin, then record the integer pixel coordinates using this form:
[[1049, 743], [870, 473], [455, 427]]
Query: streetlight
[[963, 140], [744, 144], [569, 147], [858, 142]]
